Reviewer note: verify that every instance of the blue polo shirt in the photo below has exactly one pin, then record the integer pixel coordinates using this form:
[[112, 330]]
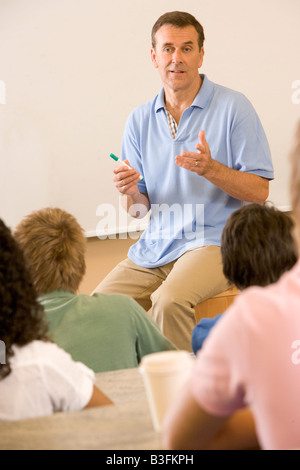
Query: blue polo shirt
[[187, 211]]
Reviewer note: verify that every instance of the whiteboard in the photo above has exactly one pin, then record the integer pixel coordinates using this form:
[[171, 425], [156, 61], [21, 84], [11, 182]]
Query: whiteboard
[[72, 70]]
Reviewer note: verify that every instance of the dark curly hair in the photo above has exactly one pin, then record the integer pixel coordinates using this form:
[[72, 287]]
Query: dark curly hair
[[22, 318]]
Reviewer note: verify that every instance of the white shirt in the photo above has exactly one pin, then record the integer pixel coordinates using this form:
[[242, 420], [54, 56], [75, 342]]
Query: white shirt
[[44, 379]]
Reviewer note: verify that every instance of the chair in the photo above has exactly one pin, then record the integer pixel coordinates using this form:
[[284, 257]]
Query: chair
[[215, 305]]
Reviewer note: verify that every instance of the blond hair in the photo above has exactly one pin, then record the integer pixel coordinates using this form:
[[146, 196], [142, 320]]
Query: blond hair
[[295, 182], [54, 245]]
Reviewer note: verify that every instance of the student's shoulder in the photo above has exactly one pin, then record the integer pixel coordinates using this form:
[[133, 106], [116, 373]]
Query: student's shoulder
[[113, 302], [37, 351], [256, 307]]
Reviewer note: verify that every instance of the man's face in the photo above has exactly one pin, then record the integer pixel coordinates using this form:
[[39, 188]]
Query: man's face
[[177, 56]]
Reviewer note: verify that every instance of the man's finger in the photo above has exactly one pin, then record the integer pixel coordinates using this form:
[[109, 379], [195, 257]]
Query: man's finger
[[202, 140]]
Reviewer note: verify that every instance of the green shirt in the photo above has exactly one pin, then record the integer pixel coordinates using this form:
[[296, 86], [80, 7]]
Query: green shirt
[[104, 331]]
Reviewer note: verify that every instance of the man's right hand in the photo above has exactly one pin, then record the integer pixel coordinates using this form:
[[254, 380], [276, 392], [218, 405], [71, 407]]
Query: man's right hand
[[126, 180]]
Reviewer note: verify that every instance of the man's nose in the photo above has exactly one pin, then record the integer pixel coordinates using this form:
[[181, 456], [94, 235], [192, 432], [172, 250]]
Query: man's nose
[[177, 56]]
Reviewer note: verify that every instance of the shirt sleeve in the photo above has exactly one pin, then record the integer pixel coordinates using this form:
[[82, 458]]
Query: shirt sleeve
[[131, 150], [201, 331], [221, 370], [249, 144], [70, 384]]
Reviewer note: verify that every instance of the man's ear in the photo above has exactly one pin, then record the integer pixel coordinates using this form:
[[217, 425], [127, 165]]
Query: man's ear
[[201, 57], [153, 57]]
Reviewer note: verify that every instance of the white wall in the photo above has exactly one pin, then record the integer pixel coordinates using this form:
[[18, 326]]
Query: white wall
[[72, 70]]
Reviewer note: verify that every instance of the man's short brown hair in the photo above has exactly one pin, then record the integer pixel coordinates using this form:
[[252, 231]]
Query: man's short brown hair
[[178, 19], [54, 245]]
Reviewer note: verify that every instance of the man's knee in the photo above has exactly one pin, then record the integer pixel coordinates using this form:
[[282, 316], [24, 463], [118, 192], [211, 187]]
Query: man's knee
[[162, 299], [166, 304]]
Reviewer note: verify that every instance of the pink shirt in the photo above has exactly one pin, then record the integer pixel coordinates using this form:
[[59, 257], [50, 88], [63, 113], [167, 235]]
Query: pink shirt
[[252, 357]]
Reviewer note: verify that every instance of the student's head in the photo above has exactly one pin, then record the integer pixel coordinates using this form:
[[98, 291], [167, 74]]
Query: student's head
[[178, 19], [21, 316], [257, 245], [54, 245], [295, 183]]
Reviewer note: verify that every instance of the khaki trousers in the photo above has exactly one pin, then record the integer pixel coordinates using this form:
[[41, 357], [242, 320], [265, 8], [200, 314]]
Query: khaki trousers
[[172, 291]]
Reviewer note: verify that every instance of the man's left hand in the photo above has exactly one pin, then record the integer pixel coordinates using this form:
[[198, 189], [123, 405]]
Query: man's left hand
[[199, 162]]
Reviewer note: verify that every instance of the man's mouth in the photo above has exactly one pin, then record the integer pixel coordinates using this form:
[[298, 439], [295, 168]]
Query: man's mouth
[[177, 71]]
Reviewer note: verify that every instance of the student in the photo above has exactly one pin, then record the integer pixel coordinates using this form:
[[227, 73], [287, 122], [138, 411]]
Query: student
[[105, 332], [257, 247], [37, 378], [202, 151], [251, 358]]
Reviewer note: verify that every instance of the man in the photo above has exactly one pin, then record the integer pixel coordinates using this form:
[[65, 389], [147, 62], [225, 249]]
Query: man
[[105, 332], [202, 151]]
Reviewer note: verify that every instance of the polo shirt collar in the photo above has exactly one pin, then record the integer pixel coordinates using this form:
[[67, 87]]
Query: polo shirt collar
[[57, 294], [204, 95], [201, 100], [160, 102]]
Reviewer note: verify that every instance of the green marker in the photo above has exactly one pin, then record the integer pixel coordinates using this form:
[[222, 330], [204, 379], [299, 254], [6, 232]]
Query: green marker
[[120, 162]]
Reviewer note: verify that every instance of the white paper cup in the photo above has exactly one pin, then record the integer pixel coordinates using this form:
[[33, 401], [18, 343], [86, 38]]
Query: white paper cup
[[164, 374]]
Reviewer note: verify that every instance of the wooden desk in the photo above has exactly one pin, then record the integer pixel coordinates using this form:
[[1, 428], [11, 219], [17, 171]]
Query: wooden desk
[[126, 425]]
